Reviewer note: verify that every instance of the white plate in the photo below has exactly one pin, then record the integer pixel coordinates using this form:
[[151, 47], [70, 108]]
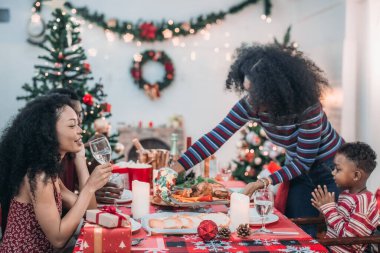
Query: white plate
[[256, 220], [135, 225], [125, 197]]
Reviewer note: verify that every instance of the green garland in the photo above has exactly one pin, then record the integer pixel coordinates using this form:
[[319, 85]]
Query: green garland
[[152, 90], [149, 31]]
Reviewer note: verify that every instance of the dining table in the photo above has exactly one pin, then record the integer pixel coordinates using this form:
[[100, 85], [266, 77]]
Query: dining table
[[298, 241]]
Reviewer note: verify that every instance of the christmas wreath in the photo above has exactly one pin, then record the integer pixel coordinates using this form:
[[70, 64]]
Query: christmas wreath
[[152, 89]]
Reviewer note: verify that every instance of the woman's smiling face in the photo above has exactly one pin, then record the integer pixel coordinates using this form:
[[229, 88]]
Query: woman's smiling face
[[69, 133]]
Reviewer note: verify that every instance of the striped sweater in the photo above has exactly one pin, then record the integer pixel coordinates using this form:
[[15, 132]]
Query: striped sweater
[[354, 215], [308, 139]]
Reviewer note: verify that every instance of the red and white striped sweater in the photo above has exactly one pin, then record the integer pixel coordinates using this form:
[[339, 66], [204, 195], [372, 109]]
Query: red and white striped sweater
[[354, 215]]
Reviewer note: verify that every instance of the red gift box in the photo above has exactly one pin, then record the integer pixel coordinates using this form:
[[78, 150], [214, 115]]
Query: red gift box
[[97, 239]]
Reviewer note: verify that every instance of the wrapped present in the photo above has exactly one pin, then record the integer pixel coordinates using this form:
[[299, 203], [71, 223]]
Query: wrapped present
[[108, 217], [97, 239]]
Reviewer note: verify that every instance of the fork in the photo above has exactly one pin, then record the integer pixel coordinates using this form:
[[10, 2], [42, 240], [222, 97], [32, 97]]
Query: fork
[[136, 241]]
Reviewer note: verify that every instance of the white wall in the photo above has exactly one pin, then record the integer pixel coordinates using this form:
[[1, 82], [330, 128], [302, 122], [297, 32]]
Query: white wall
[[361, 84], [198, 91]]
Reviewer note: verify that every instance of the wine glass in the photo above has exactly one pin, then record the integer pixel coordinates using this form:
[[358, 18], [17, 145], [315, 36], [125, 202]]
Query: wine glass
[[101, 150], [263, 199], [225, 172]]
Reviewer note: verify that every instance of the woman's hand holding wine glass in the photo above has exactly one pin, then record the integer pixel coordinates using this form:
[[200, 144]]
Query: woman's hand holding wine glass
[[99, 177]]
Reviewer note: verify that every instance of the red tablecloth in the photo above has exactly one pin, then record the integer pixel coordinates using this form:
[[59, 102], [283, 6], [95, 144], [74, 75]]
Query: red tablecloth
[[255, 243]]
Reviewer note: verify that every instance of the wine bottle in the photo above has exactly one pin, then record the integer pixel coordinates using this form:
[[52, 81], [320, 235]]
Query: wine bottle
[[174, 151]]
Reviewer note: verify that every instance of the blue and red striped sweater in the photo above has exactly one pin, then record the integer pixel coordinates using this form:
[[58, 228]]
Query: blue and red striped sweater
[[310, 139]]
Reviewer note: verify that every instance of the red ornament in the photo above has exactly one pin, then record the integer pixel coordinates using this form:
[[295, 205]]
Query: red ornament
[[273, 167], [150, 124], [87, 67], [207, 230], [88, 99], [61, 56], [148, 31], [249, 157], [106, 107]]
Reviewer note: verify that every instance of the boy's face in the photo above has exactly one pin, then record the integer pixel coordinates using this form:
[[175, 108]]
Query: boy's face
[[345, 172]]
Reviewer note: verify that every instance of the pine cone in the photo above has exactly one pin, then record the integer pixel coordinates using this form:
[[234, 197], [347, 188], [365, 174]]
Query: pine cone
[[243, 230], [224, 232]]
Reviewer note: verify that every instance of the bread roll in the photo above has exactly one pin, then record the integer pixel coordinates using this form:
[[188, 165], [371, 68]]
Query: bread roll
[[156, 223], [220, 219], [195, 220], [172, 223], [186, 222]]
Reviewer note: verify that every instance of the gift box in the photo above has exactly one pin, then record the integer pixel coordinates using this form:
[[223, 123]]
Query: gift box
[[97, 239], [108, 217]]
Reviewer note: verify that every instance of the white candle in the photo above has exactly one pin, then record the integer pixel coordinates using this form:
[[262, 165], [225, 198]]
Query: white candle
[[140, 199], [239, 210]]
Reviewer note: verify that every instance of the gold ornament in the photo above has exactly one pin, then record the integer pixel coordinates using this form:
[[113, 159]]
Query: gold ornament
[[119, 148]]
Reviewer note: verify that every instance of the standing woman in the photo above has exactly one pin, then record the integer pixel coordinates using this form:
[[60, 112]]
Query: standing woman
[[283, 91], [32, 194]]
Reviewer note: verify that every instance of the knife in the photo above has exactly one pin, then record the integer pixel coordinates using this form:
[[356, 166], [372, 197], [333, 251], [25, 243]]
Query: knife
[[284, 233]]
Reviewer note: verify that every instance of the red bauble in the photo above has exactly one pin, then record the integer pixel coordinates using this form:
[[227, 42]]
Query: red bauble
[[249, 157], [207, 230], [61, 56], [87, 67], [106, 107], [148, 31], [88, 99]]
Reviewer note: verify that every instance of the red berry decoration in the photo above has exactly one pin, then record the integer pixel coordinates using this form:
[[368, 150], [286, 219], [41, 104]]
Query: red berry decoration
[[207, 230]]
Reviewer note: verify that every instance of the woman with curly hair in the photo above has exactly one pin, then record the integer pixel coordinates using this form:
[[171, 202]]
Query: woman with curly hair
[[283, 96], [75, 170], [32, 195]]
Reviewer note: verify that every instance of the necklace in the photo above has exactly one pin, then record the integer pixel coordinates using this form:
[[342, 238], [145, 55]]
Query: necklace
[[365, 188]]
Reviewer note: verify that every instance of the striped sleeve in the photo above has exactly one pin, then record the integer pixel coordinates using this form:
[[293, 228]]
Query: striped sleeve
[[209, 143], [308, 142], [363, 217]]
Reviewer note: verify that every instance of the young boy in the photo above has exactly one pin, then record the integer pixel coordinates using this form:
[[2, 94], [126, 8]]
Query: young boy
[[356, 213]]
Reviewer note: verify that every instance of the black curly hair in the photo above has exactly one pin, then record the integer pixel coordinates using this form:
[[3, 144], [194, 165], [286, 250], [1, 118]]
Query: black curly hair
[[64, 91], [361, 154], [283, 82], [29, 146]]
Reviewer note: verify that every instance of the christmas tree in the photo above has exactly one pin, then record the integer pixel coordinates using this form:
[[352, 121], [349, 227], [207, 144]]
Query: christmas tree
[[255, 152], [66, 67]]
